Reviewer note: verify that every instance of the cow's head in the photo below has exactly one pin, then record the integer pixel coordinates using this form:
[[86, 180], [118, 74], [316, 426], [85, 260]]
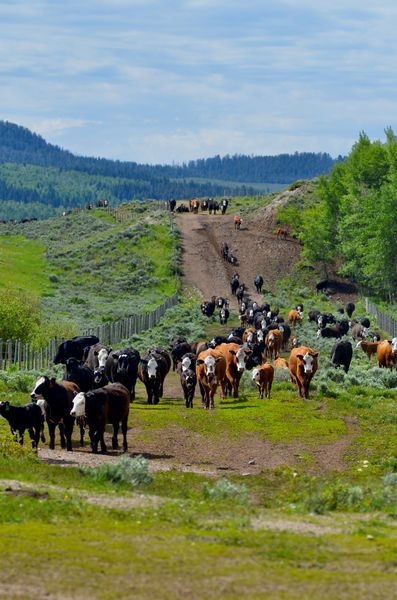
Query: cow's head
[[186, 363], [100, 379], [242, 355], [42, 385], [78, 409], [102, 356], [307, 361], [394, 344], [152, 367], [255, 374]]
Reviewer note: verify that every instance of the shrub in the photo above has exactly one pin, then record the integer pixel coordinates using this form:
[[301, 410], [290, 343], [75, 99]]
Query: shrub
[[224, 489], [132, 471]]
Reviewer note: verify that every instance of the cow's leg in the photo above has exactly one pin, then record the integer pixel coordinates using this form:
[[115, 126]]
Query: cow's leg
[[149, 393], [115, 443], [68, 434], [51, 431], [21, 432], [124, 427], [61, 428]]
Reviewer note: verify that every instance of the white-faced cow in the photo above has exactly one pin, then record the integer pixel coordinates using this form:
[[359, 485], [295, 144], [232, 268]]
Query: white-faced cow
[[302, 366], [58, 404], [122, 367], [152, 370], [110, 404]]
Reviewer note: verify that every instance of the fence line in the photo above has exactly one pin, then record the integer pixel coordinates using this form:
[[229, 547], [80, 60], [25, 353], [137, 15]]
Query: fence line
[[18, 354], [384, 321]]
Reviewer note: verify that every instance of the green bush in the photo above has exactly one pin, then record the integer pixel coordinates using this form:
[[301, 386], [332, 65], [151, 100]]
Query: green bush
[[224, 489], [131, 471]]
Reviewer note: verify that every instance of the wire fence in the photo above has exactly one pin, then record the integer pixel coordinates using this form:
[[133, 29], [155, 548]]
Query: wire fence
[[20, 355], [384, 321]]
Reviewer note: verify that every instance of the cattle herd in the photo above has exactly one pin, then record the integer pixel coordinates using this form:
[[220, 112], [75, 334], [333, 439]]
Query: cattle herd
[[99, 383]]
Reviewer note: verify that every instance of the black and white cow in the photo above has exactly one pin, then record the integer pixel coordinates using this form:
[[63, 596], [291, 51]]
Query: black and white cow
[[97, 356], [58, 404], [152, 371], [109, 404], [122, 367]]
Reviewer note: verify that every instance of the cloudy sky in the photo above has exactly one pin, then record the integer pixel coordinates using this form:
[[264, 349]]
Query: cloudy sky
[[157, 82]]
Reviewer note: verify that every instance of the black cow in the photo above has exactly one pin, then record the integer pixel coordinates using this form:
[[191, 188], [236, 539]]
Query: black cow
[[58, 404], [224, 205], [234, 284], [122, 367], [109, 404], [224, 315], [258, 281], [314, 315], [20, 418], [171, 205], [350, 307], [208, 307], [74, 348], [81, 375], [341, 354], [326, 319], [179, 350], [188, 382], [152, 371], [365, 322]]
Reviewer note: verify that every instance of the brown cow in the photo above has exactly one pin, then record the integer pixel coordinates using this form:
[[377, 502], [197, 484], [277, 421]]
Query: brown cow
[[236, 359], [211, 372], [282, 232], [273, 341], [263, 377], [194, 205], [386, 353], [237, 221], [302, 367], [369, 348], [281, 363], [294, 317], [249, 335]]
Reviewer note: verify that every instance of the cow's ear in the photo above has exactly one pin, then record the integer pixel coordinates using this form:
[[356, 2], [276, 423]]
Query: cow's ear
[[199, 361], [95, 353], [390, 341], [314, 354], [144, 362], [232, 352], [218, 358], [52, 381], [6, 406], [299, 356]]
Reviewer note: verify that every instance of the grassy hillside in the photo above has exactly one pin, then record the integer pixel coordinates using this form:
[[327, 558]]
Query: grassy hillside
[[90, 267]]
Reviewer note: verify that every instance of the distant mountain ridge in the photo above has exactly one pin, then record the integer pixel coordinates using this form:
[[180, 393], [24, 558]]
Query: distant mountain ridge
[[19, 145]]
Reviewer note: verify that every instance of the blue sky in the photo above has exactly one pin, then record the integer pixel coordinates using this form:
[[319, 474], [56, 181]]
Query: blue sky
[[157, 82]]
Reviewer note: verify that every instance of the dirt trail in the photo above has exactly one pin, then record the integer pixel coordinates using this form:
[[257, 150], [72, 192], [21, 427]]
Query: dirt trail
[[256, 246]]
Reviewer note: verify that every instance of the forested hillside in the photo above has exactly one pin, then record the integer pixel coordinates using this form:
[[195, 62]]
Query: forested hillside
[[33, 171], [351, 220]]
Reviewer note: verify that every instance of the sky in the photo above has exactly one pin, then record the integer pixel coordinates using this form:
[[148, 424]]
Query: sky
[[157, 81]]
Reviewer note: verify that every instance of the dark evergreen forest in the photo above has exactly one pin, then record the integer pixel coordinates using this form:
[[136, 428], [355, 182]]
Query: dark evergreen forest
[[33, 171]]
